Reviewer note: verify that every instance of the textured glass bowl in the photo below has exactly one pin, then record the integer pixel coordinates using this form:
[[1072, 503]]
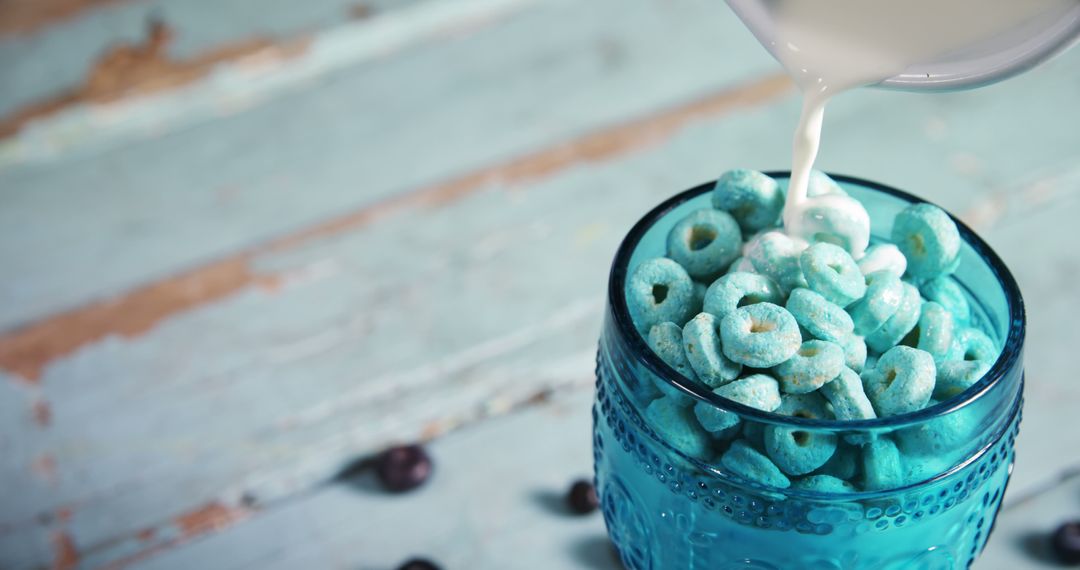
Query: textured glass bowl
[[668, 510]]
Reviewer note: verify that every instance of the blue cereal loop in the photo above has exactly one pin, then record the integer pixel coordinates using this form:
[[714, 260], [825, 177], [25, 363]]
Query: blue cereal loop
[[821, 184], [740, 288], [823, 484], [747, 462], [666, 340], [973, 344], [810, 406], [902, 381], [678, 427], [705, 242], [899, 324], [832, 218], [934, 332], [760, 335], [942, 435], [757, 391], [883, 257], [929, 240], [946, 292], [849, 401], [776, 255], [882, 465], [798, 451], [659, 290], [831, 272], [752, 198], [955, 376], [854, 348], [884, 292], [815, 363], [820, 318], [701, 345]]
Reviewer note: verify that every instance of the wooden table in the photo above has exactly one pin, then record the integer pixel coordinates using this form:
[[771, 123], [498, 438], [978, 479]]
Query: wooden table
[[254, 242]]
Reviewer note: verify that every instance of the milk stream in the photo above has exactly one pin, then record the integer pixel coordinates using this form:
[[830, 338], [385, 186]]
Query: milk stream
[[830, 46]]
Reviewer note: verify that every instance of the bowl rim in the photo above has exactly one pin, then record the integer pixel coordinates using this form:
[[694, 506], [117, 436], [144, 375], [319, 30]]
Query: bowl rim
[[1010, 356]]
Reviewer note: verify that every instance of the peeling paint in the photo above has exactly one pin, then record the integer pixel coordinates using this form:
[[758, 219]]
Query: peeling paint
[[208, 518], [42, 413], [129, 71], [65, 555]]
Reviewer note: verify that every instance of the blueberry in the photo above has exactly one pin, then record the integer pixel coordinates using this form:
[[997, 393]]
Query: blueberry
[[1066, 542], [418, 564], [582, 497], [403, 468]]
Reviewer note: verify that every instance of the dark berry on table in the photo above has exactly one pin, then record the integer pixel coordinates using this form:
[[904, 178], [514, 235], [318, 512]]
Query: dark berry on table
[[403, 468], [1066, 542], [418, 564], [582, 497]]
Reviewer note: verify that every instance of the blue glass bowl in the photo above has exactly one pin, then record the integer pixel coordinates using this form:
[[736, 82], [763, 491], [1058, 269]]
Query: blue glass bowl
[[665, 509]]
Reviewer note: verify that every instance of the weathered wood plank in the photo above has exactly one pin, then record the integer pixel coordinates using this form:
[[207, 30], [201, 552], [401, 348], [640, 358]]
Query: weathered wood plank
[[494, 502], [366, 133]]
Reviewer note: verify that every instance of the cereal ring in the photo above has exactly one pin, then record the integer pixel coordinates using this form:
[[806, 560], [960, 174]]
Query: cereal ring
[[776, 255], [883, 257], [973, 344], [818, 316], [955, 376], [928, 238], [901, 382], [946, 292], [749, 463], [939, 436], [821, 184], [844, 464], [815, 363], [854, 352], [849, 401], [831, 272], [760, 335], [823, 484], [701, 344], [882, 465], [831, 218], [705, 242], [757, 391], [752, 198], [678, 427], [740, 288], [811, 406], [659, 290], [884, 291], [900, 324], [934, 333], [798, 451], [665, 339]]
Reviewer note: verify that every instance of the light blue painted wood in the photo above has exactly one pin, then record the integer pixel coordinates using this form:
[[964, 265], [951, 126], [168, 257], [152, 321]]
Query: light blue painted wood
[[494, 502], [70, 46], [113, 220]]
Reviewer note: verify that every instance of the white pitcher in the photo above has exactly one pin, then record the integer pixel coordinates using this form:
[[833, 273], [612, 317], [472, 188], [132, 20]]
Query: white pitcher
[[1006, 54]]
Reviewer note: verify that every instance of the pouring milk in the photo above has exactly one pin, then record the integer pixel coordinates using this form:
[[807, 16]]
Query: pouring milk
[[829, 46]]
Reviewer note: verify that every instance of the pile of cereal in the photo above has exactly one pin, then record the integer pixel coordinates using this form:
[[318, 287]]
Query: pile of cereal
[[832, 329]]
